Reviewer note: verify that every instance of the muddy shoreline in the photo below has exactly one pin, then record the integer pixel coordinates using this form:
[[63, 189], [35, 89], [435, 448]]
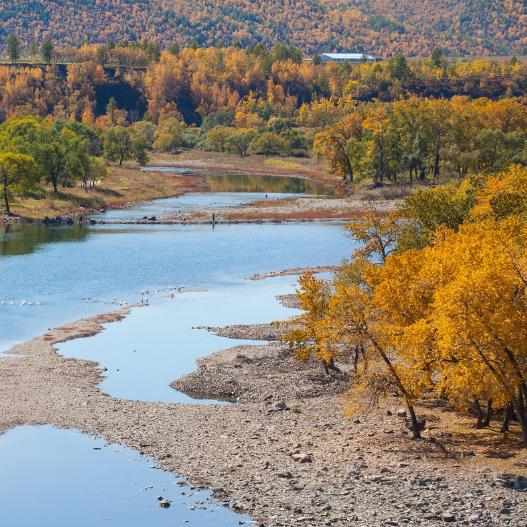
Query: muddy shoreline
[[283, 452]]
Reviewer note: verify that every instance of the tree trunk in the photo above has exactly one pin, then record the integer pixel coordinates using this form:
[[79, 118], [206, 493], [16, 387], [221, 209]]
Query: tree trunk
[[437, 157], [522, 418], [6, 196], [356, 354], [331, 366], [479, 413], [488, 415], [54, 183], [416, 432], [521, 413], [507, 418], [348, 176]]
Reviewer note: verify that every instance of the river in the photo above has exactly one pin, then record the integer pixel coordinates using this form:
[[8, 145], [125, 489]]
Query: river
[[195, 276]]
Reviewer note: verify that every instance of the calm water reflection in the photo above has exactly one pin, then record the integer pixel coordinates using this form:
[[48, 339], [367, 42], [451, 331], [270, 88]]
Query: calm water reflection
[[53, 478], [145, 352], [16, 240], [256, 183]]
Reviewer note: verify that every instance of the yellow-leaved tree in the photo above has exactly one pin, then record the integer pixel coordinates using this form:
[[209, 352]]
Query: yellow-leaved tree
[[312, 334]]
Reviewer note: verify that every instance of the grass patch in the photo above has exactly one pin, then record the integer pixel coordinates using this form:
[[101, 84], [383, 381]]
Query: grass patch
[[122, 185], [282, 163]]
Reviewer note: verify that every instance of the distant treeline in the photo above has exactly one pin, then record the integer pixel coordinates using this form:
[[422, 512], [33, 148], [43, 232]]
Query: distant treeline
[[192, 83], [475, 27]]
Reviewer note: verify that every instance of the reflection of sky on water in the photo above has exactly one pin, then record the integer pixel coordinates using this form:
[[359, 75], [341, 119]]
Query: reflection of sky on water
[[117, 261], [56, 478], [157, 344]]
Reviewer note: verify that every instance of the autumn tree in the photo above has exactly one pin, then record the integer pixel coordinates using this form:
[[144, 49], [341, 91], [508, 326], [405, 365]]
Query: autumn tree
[[480, 307], [376, 233], [336, 143], [311, 333]]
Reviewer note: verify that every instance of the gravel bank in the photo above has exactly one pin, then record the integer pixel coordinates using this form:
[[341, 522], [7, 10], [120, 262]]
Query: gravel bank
[[301, 209], [294, 271], [290, 301], [283, 453]]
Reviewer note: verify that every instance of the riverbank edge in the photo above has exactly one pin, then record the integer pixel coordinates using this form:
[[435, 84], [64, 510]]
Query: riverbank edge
[[193, 168], [257, 468], [331, 209]]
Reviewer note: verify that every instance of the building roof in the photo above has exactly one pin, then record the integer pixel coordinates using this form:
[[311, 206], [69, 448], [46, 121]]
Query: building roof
[[348, 56]]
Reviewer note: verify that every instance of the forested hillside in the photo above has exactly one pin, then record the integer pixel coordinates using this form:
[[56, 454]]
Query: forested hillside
[[463, 27]]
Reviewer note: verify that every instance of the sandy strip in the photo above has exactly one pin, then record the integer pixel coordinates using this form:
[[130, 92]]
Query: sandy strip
[[295, 271], [284, 453]]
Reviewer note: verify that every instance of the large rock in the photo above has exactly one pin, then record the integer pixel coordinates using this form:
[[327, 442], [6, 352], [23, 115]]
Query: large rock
[[302, 458]]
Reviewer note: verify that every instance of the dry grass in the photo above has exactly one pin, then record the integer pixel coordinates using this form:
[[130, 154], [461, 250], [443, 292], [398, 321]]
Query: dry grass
[[491, 447], [122, 185], [294, 215]]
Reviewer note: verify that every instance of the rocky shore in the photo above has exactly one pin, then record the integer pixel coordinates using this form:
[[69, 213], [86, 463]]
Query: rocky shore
[[302, 209], [283, 452]]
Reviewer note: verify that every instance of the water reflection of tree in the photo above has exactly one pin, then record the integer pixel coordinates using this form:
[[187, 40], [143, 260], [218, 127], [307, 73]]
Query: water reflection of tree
[[16, 240], [258, 183]]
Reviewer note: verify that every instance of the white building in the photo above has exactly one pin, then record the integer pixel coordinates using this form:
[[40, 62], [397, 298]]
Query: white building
[[347, 57]]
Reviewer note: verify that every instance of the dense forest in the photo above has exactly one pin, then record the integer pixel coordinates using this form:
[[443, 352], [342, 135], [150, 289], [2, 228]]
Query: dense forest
[[252, 84], [463, 27], [393, 121]]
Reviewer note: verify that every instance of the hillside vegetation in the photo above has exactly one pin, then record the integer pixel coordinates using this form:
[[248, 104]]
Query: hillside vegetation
[[463, 27]]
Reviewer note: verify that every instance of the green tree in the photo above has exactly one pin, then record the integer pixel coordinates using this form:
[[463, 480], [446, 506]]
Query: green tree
[[111, 108], [58, 150], [427, 209], [92, 171], [269, 144], [239, 141], [174, 49], [216, 139], [102, 55], [497, 150], [13, 47], [32, 50], [437, 57], [119, 145], [168, 135], [61, 154], [46, 50], [398, 67], [17, 175], [144, 131]]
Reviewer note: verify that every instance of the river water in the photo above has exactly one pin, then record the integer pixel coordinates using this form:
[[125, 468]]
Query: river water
[[195, 275], [59, 478]]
